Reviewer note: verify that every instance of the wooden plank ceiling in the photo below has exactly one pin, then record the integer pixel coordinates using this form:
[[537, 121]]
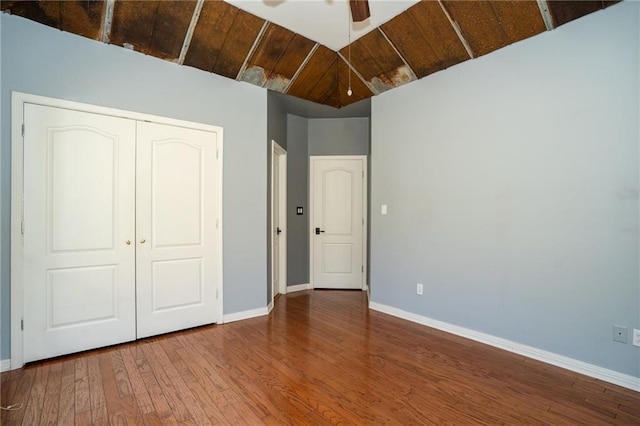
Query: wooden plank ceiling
[[217, 37]]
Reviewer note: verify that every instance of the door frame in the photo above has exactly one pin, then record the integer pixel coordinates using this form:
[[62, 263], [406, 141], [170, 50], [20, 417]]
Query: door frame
[[365, 213], [18, 100], [279, 154]]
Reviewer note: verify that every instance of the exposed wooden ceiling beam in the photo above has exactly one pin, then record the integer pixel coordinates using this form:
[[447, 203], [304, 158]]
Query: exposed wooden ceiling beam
[[458, 31], [256, 42], [355, 71], [546, 14], [190, 30], [301, 67], [217, 37], [395, 49], [107, 19]]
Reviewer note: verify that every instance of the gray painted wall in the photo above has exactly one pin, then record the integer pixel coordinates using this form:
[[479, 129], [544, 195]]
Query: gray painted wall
[[44, 61], [277, 131], [512, 184], [339, 136], [297, 195]]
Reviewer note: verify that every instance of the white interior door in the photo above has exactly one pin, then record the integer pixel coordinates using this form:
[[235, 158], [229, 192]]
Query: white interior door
[[277, 230], [337, 234], [79, 203], [282, 214], [278, 219], [177, 228]]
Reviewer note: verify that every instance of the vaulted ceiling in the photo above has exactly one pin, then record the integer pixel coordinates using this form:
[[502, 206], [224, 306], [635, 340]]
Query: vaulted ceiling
[[217, 37]]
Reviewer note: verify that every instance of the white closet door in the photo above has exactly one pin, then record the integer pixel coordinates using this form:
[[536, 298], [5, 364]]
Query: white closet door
[[79, 203], [176, 214]]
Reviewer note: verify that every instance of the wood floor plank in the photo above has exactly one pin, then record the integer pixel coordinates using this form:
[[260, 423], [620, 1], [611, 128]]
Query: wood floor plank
[[621, 395], [66, 411], [177, 406], [82, 401], [83, 418], [321, 358], [10, 384], [52, 395], [8, 387], [195, 379], [210, 380], [289, 380], [196, 414], [626, 408], [25, 378], [33, 408], [99, 415], [143, 400], [120, 373], [162, 411], [120, 402]]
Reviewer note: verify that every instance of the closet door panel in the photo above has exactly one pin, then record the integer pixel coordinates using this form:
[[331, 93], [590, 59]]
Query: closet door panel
[[176, 227], [79, 201]]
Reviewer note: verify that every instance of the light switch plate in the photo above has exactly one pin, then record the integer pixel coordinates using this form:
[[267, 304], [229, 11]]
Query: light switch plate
[[383, 209]]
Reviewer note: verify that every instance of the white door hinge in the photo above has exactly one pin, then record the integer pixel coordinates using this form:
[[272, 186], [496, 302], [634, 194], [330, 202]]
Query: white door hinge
[[22, 227], [23, 130], [22, 324]]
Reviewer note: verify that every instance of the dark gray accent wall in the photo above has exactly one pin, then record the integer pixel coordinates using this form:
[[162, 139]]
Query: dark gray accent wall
[[276, 131], [276, 121], [512, 185], [297, 195], [44, 61], [339, 136], [306, 137]]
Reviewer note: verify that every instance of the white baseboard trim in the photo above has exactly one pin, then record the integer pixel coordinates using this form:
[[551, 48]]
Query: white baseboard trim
[[298, 287], [270, 307], [604, 374], [239, 316], [5, 365]]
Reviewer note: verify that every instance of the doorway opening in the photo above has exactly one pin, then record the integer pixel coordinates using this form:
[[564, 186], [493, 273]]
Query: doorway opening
[[278, 221]]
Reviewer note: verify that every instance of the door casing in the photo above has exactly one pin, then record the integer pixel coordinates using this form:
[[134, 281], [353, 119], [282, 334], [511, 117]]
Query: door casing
[[18, 99]]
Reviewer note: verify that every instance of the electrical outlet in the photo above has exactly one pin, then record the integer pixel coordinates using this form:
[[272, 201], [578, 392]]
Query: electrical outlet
[[419, 289], [636, 337], [619, 334]]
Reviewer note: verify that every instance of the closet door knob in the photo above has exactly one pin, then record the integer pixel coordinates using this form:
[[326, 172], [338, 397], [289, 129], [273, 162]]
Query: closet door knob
[[128, 242], [142, 241]]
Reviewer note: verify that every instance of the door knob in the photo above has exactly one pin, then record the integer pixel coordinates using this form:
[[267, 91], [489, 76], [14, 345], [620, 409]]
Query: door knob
[[142, 241], [128, 242], [318, 231]]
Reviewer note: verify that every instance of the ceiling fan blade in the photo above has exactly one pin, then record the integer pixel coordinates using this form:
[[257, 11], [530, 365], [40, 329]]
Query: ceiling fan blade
[[359, 10]]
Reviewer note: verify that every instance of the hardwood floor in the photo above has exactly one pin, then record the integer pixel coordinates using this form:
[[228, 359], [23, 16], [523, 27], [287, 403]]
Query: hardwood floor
[[321, 357]]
